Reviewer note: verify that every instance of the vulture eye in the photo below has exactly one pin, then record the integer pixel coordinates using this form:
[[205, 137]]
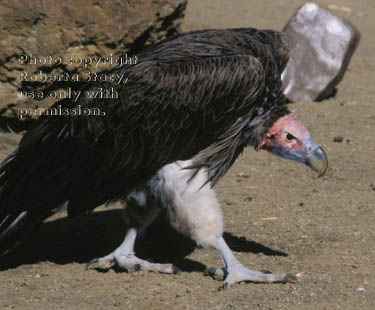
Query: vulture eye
[[289, 137]]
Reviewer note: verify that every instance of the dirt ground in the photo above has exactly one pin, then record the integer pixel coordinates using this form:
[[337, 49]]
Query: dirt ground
[[281, 218]]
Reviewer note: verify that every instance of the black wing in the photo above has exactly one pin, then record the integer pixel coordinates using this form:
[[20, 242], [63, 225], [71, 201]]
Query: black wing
[[166, 112]]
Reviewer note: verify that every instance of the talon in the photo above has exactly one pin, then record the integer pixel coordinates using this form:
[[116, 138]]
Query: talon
[[137, 267], [291, 278], [93, 261], [265, 271], [216, 273], [176, 270], [124, 258], [209, 271]]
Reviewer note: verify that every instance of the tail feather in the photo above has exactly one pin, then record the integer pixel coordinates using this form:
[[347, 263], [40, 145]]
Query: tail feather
[[30, 186], [18, 214], [14, 228], [53, 163]]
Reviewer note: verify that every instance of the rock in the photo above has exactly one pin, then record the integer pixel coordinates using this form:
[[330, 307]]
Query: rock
[[243, 175], [338, 139], [79, 29], [361, 289], [321, 47]]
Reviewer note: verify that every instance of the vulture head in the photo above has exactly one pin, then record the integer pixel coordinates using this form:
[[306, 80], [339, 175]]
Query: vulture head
[[288, 138]]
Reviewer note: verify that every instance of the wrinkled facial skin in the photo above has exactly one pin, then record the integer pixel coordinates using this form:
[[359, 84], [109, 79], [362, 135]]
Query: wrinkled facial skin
[[288, 138]]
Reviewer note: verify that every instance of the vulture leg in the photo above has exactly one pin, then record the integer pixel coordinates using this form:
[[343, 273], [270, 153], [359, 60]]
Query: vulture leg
[[140, 210], [235, 272], [196, 212], [124, 257]]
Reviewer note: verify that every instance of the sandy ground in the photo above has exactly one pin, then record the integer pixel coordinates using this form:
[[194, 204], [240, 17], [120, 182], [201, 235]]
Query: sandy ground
[[282, 218]]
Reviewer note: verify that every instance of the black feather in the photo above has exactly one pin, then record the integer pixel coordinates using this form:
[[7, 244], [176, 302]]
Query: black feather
[[206, 94]]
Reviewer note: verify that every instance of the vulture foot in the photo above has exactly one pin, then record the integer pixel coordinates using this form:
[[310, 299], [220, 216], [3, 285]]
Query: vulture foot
[[124, 257], [235, 272], [238, 273], [130, 262]]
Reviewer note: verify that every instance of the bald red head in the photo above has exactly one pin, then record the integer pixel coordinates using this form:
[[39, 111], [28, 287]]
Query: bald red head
[[287, 130], [288, 138]]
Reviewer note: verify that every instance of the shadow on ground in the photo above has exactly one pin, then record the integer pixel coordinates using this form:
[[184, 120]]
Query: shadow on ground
[[66, 240]]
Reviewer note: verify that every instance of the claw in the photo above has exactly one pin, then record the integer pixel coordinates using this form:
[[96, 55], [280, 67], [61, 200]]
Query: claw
[[176, 270], [209, 271], [137, 267], [216, 273], [124, 258], [265, 271], [290, 278], [91, 262]]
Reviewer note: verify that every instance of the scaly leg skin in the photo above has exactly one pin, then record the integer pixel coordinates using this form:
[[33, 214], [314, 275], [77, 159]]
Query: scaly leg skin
[[124, 257], [235, 272]]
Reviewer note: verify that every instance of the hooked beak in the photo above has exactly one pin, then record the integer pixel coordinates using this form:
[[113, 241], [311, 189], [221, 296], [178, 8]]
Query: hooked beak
[[317, 160]]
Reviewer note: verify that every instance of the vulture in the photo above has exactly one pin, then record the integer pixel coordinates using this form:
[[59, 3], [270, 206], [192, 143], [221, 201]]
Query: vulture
[[190, 106]]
